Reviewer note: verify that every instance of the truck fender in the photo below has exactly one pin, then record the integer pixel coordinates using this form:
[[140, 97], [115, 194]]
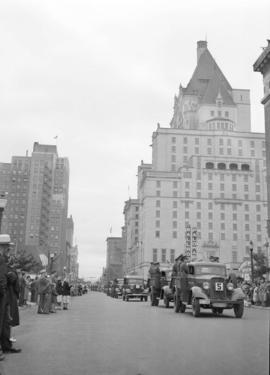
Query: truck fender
[[238, 294], [198, 293]]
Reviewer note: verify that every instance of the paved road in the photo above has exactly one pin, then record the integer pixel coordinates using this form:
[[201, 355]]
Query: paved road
[[104, 336]]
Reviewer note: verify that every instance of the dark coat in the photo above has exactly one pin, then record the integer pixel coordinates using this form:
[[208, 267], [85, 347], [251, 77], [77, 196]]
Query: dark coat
[[66, 289], [13, 290], [59, 287]]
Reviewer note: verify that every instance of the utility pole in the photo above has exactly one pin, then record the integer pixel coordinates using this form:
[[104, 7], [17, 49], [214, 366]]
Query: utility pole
[[251, 260]]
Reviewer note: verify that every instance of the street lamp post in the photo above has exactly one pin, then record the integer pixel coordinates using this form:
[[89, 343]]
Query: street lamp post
[[251, 260]]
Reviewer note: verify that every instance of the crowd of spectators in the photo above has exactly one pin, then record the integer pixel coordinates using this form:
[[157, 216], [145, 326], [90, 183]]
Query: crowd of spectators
[[258, 292]]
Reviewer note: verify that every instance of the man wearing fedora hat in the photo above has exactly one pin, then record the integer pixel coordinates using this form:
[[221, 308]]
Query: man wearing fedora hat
[[5, 319]]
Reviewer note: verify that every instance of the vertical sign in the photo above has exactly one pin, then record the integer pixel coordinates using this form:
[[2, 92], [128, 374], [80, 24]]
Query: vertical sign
[[188, 242], [194, 244]]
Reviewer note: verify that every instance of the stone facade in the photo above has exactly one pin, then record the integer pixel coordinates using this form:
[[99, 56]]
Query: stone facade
[[207, 172]]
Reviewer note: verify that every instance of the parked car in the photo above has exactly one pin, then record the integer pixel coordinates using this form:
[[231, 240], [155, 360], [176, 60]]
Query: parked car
[[134, 287], [208, 288]]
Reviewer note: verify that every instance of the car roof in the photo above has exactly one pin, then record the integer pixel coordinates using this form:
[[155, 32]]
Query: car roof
[[133, 277]]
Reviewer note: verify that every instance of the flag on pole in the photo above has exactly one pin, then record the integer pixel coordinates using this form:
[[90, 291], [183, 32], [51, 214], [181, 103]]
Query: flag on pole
[[55, 137]]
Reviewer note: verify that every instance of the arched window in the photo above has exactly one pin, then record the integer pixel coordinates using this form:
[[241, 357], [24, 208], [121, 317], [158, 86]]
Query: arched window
[[209, 165], [221, 166], [233, 166], [245, 167]]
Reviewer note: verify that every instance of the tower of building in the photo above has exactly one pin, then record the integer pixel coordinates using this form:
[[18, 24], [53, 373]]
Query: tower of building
[[207, 175]]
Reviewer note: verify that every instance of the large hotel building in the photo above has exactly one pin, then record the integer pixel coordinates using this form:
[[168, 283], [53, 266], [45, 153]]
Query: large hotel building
[[205, 191]]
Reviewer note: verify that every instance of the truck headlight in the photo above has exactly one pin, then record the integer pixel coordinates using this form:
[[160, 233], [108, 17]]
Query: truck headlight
[[206, 285], [230, 286]]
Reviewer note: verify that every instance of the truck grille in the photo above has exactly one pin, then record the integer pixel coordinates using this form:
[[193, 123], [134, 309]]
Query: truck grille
[[218, 288]]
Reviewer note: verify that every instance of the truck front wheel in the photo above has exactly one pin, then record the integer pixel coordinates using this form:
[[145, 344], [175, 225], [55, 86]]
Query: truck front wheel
[[239, 309]]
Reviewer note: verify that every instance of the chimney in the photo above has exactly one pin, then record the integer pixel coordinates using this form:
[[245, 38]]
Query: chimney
[[201, 47]]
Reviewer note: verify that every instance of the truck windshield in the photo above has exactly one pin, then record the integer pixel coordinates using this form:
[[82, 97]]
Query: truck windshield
[[135, 281], [206, 270]]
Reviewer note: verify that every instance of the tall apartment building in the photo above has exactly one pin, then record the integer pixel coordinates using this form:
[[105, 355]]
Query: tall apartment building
[[207, 174], [131, 215], [36, 211]]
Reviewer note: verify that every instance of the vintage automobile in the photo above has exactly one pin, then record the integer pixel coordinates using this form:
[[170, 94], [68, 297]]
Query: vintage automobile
[[208, 288], [134, 287], [118, 288]]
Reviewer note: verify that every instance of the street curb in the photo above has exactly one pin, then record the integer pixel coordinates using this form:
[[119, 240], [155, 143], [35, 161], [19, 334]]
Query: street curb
[[259, 307]]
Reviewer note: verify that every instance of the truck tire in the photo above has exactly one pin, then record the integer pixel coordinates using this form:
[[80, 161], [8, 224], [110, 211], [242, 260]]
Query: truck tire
[[239, 310], [182, 308], [196, 307], [145, 298]]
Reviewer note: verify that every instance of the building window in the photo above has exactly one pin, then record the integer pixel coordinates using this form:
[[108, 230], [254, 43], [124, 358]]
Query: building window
[[173, 167], [212, 113], [258, 208], [157, 223], [158, 184], [210, 206], [187, 185], [209, 151], [234, 256], [172, 255], [222, 187], [221, 166], [173, 158], [174, 214], [210, 186], [173, 139], [173, 148], [210, 225], [221, 141], [209, 165], [175, 224], [163, 255], [157, 213], [174, 234], [157, 233], [158, 203], [158, 193], [174, 204], [175, 194], [222, 236], [199, 205], [210, 236], [155, 255]]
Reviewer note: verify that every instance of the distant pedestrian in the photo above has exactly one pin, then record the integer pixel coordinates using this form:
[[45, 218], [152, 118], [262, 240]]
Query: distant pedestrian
[[44, 294], [66, 294], [59, 291]]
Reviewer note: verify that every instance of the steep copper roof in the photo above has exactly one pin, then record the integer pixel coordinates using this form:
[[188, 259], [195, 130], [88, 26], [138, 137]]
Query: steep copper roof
[[208, 81]]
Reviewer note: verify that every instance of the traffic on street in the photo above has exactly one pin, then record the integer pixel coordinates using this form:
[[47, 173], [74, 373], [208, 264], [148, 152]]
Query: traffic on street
[[100, 335]]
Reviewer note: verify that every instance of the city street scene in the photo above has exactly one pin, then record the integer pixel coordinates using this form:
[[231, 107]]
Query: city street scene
[[134, 188]]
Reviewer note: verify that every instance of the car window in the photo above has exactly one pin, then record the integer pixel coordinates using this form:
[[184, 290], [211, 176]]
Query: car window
[[206, 270]]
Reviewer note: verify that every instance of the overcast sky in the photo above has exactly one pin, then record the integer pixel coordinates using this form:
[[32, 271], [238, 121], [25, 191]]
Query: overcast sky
[[100, 75]]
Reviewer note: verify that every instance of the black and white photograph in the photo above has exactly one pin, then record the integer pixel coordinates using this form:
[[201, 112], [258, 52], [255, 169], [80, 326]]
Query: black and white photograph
[[134, 187]]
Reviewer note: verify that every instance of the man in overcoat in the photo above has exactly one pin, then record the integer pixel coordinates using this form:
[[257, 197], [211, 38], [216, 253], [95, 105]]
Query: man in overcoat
[[5, 317]]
